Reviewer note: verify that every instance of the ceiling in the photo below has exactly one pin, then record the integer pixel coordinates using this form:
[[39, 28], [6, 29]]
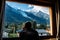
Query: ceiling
[[45, 1], [39, 0]]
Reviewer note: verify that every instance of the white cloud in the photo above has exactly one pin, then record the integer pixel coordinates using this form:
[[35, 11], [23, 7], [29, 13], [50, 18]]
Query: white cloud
[[19, 8], [41, 8], [30, 6], [38, 8]]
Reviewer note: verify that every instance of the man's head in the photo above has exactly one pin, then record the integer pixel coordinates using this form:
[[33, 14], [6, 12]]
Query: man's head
[[28, 25]]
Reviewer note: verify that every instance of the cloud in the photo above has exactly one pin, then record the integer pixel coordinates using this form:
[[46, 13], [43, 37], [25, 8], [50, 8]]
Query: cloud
[[38, 8], [41, 8], [30, 6]]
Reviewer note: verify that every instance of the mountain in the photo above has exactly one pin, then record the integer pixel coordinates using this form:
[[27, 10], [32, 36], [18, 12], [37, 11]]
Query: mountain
[[42, 15], [37, 19], [13, 16], [17, 15]]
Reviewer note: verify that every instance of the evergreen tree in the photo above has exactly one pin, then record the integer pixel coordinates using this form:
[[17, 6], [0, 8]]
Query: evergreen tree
[[42, 26]]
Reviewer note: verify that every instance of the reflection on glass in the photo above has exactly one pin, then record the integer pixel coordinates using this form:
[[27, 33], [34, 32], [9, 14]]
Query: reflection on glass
[[16, 14]]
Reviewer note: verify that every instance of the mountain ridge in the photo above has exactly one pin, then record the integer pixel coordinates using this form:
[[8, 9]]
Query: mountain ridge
[[16, 16]]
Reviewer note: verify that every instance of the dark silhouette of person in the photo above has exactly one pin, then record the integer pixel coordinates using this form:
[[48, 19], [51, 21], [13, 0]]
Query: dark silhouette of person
[[28, 33]]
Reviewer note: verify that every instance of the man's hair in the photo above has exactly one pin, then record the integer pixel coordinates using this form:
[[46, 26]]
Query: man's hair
[[28, 25]]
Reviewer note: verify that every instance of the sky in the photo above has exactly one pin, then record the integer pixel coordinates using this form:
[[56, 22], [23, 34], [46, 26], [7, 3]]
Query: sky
[[28, 7]]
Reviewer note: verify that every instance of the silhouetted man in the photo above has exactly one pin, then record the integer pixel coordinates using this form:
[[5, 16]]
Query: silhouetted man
[[28, 33]]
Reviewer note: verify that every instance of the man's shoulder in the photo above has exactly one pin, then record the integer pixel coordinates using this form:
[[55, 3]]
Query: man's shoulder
[[33, 30]]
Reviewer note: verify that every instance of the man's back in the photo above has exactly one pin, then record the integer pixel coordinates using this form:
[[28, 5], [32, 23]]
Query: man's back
[[29, 34]]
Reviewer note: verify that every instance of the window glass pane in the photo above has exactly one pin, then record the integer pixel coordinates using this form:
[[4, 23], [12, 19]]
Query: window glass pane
[[16, 14]]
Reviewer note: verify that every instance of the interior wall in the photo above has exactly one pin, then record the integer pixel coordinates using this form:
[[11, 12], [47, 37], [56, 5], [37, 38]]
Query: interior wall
[[58, 18], [1, 16]]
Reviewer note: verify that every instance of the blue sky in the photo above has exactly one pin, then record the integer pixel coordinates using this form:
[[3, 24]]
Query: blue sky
[[28, 7], [19, 5]]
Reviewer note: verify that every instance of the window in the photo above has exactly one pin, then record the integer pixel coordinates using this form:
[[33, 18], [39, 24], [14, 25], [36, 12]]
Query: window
[[16, 14]]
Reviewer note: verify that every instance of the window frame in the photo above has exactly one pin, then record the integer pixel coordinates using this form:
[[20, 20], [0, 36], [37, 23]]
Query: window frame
[[52, 5]]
